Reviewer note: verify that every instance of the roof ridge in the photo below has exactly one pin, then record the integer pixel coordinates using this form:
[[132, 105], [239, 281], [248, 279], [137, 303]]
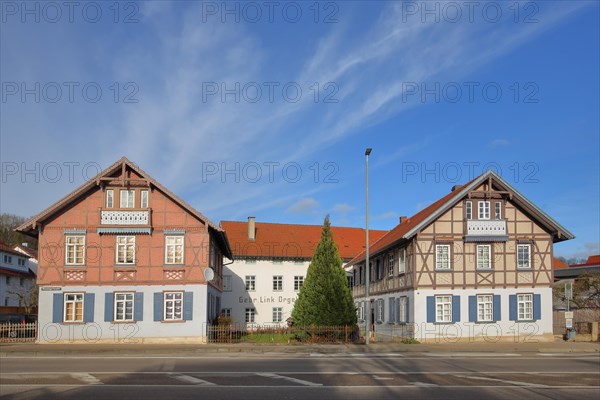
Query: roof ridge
[[308, 225]]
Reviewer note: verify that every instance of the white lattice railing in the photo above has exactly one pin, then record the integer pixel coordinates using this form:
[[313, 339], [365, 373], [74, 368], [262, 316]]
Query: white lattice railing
[[124, 217], [486, 227]]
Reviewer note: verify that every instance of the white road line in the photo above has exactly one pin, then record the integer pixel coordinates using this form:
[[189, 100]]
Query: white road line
[[516, 383], [192, 379], [87, 378], [289, 379]]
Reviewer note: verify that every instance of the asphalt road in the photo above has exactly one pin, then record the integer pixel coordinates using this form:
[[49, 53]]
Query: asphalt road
[[303, 376]]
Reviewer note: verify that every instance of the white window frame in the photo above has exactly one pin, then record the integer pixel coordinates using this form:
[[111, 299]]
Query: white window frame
[[391, 262], [484, 256], [469, 210], [250, 283], [127, 198], [483, 208], [277, 283], [73, 299], [298, 282], [173, 243], [525, 307], [402, 261], [110, 198], [126, 298], [402, 317], [443, 309], [227, 283], [173, 301], [520, 264], [497, 210], [71, 249], [440, 263], [226, 312], [485, 308], [277, 314], [21, 261], [359, 310], [123, 243], [250, 315], [144, 198]]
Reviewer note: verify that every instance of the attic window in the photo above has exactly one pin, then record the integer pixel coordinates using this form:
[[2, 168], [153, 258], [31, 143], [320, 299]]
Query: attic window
[[127, 198]]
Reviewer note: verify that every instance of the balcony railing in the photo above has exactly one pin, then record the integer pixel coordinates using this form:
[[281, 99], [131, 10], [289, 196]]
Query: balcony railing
[[492, 227], [125, 217]]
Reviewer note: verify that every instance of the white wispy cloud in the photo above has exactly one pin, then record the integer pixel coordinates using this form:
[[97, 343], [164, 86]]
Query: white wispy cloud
[[304, 206]]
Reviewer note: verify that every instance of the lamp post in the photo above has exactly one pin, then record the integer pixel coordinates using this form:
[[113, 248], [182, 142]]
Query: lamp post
[[367, 274]]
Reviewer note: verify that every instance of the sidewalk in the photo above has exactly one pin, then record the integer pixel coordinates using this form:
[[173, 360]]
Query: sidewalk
[[32, 349]]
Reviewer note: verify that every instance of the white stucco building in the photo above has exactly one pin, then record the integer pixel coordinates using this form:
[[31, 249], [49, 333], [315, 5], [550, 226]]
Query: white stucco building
[[271, 260], [16, 279]]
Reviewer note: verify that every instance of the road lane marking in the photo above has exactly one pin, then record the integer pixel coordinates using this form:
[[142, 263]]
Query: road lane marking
[[87, 378], [516, 383], [287, 378], [192, 379]]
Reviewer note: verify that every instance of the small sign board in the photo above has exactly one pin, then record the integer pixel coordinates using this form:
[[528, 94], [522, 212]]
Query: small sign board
[[569, 290], [51, 288], [569, 323], [569, 314]]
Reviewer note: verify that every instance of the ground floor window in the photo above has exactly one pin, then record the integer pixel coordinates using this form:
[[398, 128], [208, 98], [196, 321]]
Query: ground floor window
[[123, 306], [525, 307], [485, 308], [379, 310], [173, 306], [73, 307], [443, 308], [403, 304], [226, 312], [250, 315], [277, 314]]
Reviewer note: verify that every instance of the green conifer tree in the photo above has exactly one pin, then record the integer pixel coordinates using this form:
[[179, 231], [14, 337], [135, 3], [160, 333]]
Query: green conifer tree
[[325, 299]]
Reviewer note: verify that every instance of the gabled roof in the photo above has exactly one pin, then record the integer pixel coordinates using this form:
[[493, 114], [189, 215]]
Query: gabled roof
[[292, 241], [29, 227], [26, 251], [411, 226], [5, 248]]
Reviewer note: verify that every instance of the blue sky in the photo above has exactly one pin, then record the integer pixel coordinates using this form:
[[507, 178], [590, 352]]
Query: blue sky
[[266, 110]]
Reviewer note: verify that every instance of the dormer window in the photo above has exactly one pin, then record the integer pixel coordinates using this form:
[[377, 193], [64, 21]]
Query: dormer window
[[127, 198]]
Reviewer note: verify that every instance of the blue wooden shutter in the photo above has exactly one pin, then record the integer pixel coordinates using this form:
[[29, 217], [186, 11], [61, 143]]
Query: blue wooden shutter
[[188, 305], [109, 306], [57, 307], [512, 307], [537, 307], [158, 306], [430, 308], [398, 309], [455, 308], [138, 306], [88, 307], [382, 316], [407, 309], [391, 310], [472, 308], [497, 308]]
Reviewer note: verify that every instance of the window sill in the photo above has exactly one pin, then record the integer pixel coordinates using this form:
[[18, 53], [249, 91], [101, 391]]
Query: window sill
[[123, 322], [73, 323], [75, 266], [173, 265], [177, 321], [485, 322], [443, 323], [526, 320], [443, 270], [125, 266]]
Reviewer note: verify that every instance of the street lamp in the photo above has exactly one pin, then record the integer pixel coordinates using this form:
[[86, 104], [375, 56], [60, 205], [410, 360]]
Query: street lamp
[[368, 278]]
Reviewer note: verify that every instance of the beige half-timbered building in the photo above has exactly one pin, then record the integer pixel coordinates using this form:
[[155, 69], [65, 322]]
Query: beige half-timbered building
[[475, 265]]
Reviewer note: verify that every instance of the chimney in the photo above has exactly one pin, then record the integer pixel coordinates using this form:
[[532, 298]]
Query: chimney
[[456, 187], [403, 218], [251, 228]]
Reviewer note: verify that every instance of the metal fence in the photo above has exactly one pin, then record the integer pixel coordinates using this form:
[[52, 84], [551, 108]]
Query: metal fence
[[18, 332], [281, 335]]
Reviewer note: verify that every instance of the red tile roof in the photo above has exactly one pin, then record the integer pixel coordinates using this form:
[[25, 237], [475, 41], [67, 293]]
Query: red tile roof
[[559, 264], [591, 261], [405, 226], [7, 249], [292, 241]]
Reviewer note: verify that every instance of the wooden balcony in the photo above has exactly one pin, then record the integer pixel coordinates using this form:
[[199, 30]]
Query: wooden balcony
[[494, 229], [128, 217]]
